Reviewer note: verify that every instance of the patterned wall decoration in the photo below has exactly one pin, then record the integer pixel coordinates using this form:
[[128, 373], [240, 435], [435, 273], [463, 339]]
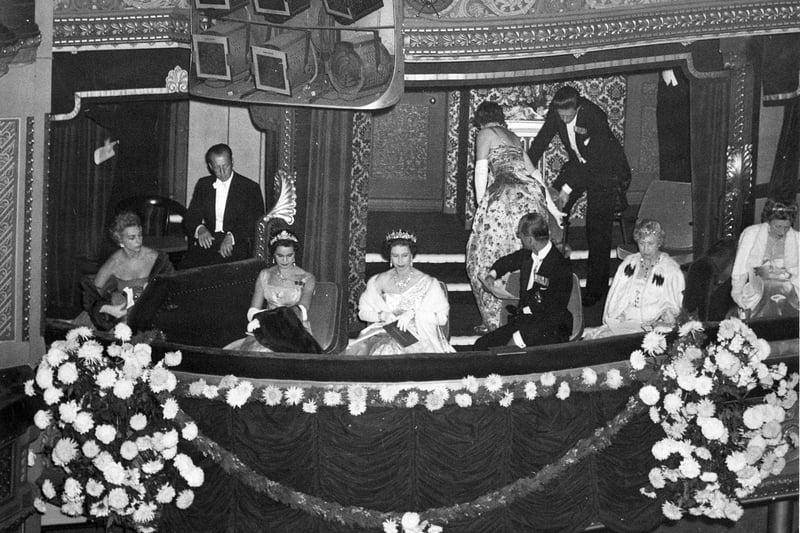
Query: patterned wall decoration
[[648, 148], [455, 9], [28, 213], [401, 137], [359, 204], [451, 162], [608, 92], [9, 177]]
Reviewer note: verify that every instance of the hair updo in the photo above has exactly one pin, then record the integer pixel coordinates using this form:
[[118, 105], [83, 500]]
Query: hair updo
[[646, 227], [487, 112], [775, 210], [284, 237], [125, 219]]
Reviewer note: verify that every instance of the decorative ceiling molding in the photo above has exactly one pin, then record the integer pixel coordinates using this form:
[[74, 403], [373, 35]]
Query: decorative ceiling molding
[[130, 28], [576, 33]]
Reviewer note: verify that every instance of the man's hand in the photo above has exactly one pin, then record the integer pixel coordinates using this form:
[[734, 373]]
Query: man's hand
[[204, 237], [226, 248]]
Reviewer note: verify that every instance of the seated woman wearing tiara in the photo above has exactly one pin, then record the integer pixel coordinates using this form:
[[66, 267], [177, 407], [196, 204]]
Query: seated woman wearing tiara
[[287, 290], [399, 302]]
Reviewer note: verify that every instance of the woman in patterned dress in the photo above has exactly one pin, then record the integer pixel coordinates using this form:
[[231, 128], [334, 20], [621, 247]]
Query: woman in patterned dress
[[512, 189]]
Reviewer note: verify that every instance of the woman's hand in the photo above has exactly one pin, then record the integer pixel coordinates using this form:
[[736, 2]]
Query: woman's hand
[[117, 311], [385, 317], [404, 320]]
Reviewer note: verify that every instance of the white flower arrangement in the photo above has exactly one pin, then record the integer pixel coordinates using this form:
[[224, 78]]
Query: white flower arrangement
[[110, 431], [722, 439]]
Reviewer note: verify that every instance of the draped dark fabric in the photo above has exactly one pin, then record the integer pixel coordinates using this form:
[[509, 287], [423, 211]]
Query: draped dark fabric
[[413, 459], [172, 144], [786, 170], [327, 213], [709, 107], [780, 57], [77, 209], [673, 127]]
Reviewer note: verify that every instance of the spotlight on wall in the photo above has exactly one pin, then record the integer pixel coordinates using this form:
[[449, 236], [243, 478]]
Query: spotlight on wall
[[349, 11]]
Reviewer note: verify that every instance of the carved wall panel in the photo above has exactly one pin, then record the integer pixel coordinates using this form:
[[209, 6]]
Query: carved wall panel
[[401, 137], [9, 178]]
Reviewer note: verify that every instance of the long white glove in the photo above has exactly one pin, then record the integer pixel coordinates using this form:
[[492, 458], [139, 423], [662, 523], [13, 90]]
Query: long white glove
[[481, 178]]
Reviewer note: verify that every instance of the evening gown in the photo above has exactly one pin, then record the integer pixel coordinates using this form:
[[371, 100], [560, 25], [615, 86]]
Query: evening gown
[[511, 193]]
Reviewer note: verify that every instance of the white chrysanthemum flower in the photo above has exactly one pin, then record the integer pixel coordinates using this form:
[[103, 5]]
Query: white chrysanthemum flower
[[310, 406], [390, 526], [144, 443], [294, 395], [736, 461], [530, 390], [173, 358], [493, 382], [388, 393], [68, 411], [138, 421], [114, 473], [655, 415], [238, 395], [152, 467], [654, 343], [690, 327], [105, 433], [100, 508], [272, 395], [548, 379], [194, 477], [673, 402], [42, 418], [331, 398], [649, 395], [412, 399], [106, 378], [689, 468], [709, 477], [55, 356], [588, 377], [753, 417], [671, 511], [72, 488], [91, 352], [102, 460], [656, 478], [434, 401], [72, 508], [169, 408], [48, 490], [68, 373], [143, 354], [144, 513], [507, 399], [733, 511], [637, 360], [185, 499], [357, 392], [83, 423], [613, 379], [196, 388], [706, 408], [122, 332], [357, 407], [228, 382], [563, 391], [662, 449], [162, 379], [211, 391], [410, 521], [165, 494], [118, 498], [123, 389], [128, 450], [703, 385], [463, 399], [189, 431], [82, 332], [702, 452], [44, 376], [470, 384], [52, 395], [693, 353], [90, 449], [39, 505], [29, 389], [64, 451], [94, 488]]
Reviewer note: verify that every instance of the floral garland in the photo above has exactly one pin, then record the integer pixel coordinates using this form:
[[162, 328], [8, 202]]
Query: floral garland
[[493, 389], [426, 521], [722, 439], [109, 440]]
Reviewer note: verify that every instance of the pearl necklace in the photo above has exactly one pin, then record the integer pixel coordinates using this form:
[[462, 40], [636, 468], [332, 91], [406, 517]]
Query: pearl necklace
[[281, 276]]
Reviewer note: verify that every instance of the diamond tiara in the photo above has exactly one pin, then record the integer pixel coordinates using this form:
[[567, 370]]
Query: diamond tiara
[[283, 236], [400, 234]]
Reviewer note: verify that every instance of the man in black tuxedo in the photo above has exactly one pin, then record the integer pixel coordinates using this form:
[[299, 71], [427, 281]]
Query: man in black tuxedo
[[545, 284], [222, 216], [597, 165]]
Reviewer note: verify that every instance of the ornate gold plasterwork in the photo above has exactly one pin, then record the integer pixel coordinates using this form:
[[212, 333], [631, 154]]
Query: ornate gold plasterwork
[[132, 27], [482, 35], [9, 181]]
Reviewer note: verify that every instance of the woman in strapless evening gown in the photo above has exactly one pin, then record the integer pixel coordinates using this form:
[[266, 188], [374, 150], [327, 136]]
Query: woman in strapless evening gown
[[112, 292], [512, 189], [278, 314]]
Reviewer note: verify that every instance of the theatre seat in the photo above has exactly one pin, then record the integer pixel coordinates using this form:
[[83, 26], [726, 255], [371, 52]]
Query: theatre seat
[[160, 215]]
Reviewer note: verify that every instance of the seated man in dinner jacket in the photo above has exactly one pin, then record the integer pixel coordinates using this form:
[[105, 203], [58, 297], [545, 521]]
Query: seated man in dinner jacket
[[222, 216], [545, 284]]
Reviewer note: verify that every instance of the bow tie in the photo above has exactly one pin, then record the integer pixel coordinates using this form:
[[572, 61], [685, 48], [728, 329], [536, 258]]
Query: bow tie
[[218, 183]]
